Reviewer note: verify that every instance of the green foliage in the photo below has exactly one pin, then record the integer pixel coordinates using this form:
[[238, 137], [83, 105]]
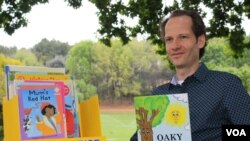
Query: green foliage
[[79, 60], [12, 13], [8, 51], [84, 91], [226, 21], [27, 57], [244, 59], [120, 71], [4, 60], [79, 64], [219, 56], [153, 103], [46, 50], [146, 65], [218, 52]]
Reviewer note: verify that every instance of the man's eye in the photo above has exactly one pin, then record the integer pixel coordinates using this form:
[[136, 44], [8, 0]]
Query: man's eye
[[167, 40], [184, 37]]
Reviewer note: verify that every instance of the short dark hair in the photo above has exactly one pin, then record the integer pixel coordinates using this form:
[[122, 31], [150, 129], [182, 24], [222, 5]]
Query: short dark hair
[[198, 26], [48, 106]]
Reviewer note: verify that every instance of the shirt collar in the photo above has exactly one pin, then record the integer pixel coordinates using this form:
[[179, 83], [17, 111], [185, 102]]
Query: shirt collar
[[200, 74], [174, 80]]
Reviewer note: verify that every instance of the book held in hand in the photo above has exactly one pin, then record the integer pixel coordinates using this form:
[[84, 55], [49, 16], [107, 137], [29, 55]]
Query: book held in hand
[[163, 117]]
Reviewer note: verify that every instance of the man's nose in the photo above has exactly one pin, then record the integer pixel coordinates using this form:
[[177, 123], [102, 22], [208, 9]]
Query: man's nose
[[176, 44]]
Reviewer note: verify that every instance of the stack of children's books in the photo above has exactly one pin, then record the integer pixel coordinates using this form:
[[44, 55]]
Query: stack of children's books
[[48, 104]]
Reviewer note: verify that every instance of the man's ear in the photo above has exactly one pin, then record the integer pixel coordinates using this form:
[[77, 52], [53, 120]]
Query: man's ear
[[201, 41]]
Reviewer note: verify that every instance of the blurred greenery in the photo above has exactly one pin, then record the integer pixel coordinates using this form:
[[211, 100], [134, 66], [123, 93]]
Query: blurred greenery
[[118, 126]]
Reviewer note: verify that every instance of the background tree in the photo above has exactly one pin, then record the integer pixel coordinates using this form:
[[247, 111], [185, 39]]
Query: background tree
[[117, 72], [46, 50], [244, 60], [219, 56], [218, 53], [226, 18], [8, 51], [27, 57], [78, 63], [12, 12], [148, 68]]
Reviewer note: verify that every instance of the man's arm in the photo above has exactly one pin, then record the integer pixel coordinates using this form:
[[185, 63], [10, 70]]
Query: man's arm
[[134, 137], [237, 102]]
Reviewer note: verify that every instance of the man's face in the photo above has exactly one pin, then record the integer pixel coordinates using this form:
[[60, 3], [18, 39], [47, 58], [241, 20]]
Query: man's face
[[181, 44]]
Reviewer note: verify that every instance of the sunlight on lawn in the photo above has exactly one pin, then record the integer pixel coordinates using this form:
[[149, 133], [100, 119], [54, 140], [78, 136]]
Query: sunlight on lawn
[[118, 126]]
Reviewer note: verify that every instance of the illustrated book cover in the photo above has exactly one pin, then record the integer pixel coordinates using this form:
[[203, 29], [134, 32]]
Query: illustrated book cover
[[163, 117], [70, 97], [41, 110]]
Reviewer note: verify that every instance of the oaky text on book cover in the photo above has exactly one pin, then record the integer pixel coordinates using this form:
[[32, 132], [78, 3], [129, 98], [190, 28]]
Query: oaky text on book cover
[[163, 117]]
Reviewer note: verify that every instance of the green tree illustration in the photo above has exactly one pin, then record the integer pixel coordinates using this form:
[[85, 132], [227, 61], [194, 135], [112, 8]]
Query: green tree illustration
[[149, 113]]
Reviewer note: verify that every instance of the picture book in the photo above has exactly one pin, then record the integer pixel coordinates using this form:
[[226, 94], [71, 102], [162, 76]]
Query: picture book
[[70, 97], [41, 110], [71, 109], [11, 70], [163, 117]]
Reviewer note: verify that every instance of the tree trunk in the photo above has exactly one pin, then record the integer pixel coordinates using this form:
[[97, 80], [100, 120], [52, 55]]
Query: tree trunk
[[146, 132]]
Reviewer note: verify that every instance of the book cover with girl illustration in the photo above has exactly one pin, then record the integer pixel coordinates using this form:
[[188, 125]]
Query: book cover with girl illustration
[[41, 110], [70, 97]]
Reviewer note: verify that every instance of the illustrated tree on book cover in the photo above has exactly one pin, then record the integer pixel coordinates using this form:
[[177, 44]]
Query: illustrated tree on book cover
[[149, 113]]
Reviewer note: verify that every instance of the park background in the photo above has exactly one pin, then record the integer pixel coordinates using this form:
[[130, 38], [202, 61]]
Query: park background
[[118, 68]]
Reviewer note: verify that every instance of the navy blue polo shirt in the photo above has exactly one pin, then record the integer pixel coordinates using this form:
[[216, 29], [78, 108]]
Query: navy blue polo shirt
[[215, 98]]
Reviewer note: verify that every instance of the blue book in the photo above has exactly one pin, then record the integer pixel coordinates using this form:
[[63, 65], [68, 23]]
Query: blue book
[[42, 111], [70, 96]]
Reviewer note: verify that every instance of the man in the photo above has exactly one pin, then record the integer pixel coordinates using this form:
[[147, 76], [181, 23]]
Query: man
[[215, 98]]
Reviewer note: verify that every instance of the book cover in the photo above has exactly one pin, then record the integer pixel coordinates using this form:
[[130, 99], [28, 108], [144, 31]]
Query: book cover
[[70, 97], [41, 111], [163, 117], [11, 70], [71, 109]]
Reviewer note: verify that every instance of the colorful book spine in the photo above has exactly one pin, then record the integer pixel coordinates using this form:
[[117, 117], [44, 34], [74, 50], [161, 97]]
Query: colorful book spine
[[11, 70]]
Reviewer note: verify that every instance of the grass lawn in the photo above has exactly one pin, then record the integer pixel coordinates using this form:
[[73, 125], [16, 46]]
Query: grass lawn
[[118, 126]]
